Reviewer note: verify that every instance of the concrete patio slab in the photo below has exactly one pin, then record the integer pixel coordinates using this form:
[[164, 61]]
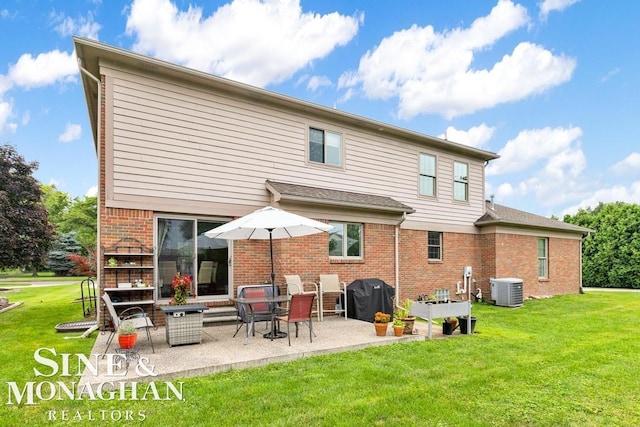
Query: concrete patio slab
[[220, 351]]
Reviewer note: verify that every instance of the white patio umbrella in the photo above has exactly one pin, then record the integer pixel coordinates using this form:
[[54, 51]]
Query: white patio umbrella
[[268, 223]]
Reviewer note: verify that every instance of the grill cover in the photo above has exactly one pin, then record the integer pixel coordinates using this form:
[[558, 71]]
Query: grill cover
[[365, 297]]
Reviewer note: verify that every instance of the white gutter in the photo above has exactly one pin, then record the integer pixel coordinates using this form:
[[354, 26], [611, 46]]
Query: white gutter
[[98, 199], [397, 257]]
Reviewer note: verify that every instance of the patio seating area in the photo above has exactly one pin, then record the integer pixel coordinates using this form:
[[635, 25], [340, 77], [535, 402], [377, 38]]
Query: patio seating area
[[220, 351]]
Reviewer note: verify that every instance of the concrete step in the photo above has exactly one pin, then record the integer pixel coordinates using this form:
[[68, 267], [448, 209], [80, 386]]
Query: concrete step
[[218, 316]]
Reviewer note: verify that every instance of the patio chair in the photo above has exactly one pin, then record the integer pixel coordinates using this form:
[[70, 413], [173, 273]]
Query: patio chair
[[261, 311], [331, 284], [207, 272], [300, 308], [135, 315], [297, 286]]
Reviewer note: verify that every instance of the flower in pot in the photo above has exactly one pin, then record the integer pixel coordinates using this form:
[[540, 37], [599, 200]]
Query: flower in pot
[[403, 314], [127, 335], [181, 286], [398, 327], [381, 322], [112, 262]]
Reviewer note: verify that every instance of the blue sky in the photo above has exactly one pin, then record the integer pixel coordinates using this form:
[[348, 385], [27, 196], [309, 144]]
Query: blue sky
[[551, 85]]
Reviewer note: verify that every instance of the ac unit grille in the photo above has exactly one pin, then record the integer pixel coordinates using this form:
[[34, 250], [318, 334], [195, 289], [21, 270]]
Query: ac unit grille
[[507, 292]]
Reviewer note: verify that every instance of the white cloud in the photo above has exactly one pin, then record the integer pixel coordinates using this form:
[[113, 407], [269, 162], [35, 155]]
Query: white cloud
[[610, 74], [433, 73], [44, 69], [5, 114], [630, 165], [533, 145], [476, 136], [253, 41], [317, 82], [548, 6], [92, 192], [83, 26], [617, 193], [71, 133]]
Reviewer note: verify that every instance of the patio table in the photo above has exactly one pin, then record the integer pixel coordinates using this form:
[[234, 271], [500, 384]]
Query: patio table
[[249, 302]]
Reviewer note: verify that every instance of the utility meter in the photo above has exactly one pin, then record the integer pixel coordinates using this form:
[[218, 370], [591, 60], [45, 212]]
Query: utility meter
[[468, 271]]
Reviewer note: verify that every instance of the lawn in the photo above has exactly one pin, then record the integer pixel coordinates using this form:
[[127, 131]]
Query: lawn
[[569, 361]]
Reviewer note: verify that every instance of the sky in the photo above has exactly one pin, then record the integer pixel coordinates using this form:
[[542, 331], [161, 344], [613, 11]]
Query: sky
[[552, 86]]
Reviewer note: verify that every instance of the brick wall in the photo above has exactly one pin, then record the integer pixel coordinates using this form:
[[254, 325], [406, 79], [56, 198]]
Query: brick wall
[[420, 276], [517, 256]]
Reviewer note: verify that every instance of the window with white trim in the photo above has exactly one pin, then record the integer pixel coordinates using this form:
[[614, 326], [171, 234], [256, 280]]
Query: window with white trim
[[434, 246], [325, 147], [460, 181], [543, 258], [345, 240], [427, 175]]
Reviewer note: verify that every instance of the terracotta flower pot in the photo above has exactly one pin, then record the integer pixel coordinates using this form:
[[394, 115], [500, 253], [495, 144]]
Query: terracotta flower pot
[[127, 341], [381, 329], [398, 330]]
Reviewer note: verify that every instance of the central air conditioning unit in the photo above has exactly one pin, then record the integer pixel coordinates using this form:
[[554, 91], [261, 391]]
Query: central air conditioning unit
[[507, 292]]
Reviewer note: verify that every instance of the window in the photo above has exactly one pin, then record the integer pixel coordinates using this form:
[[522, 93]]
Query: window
[[349, 247], [543, 258], [434, 246], [183, 247], [427, 175], [460, 181], [325, 147]]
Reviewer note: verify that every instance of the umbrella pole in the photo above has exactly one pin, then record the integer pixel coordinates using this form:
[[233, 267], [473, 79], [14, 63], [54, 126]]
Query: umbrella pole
[[275, 332]]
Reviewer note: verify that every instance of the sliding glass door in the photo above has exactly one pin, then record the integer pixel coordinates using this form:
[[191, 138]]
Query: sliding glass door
[[183, 247]]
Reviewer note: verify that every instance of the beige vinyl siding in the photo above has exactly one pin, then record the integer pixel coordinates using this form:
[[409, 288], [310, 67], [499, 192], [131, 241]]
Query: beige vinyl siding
[[172, 141]]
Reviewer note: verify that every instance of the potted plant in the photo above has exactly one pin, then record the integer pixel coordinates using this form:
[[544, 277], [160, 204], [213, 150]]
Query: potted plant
[[403, 314], [464, 324], [181, 286], [398, 327], [381, 322], [449, 324], [127, 335]]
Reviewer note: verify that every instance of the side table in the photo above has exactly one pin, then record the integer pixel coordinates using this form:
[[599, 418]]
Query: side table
[[183, 323]]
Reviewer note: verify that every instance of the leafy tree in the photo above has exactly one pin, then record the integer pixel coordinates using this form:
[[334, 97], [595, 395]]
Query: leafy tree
[[82, 217], [72, 214], [611, 255], [59, 261], [56, 202], [25, 231]]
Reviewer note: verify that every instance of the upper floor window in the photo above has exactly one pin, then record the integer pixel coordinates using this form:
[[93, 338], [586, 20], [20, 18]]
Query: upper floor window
[[427, 175], [345, 240], [543, 258], [325, 147], [460, 181], [434, 246]]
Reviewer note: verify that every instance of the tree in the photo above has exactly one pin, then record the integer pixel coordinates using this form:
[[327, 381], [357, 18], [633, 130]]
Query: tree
[[610, 255], [72, 215], [25, 231], [59, 257]]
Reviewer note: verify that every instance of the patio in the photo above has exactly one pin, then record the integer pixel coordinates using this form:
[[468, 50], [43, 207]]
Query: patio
[[220, 352]]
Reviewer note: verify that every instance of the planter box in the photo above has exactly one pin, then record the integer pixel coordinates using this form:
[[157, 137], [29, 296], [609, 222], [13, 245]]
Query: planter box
[[430, 311]]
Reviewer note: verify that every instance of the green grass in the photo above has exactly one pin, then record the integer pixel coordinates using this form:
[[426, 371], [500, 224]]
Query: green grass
[[16, 278], [565, 361]]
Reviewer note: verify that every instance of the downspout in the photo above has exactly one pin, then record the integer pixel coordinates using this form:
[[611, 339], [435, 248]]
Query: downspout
[[397, 257], [98, 199]]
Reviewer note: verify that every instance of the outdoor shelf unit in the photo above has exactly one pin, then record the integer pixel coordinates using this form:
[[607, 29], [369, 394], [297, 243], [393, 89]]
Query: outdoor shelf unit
[[133, 262], [430, 311]]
